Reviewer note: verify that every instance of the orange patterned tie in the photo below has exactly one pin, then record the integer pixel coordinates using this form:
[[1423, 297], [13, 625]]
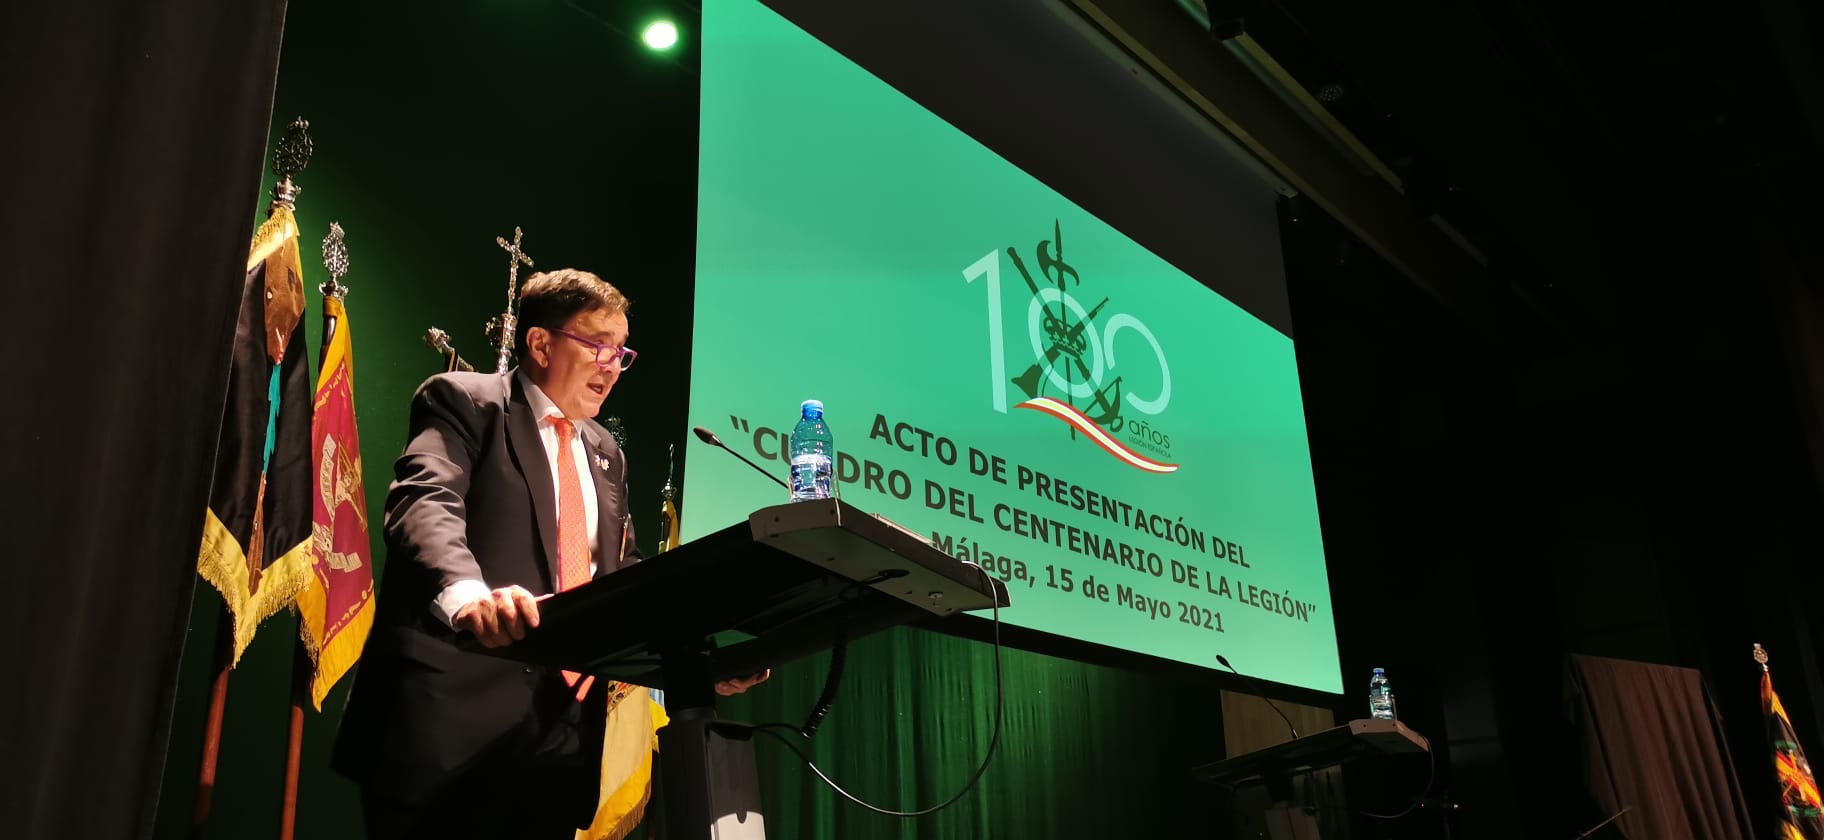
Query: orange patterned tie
[[572, 522], [572, 531]]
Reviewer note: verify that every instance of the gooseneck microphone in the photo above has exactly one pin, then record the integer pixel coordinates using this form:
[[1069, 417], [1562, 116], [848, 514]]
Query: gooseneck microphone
[[710, 438], [1224, 661]]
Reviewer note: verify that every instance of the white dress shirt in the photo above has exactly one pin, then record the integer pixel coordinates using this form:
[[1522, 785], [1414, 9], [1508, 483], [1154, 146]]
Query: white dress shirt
[[461, 593]]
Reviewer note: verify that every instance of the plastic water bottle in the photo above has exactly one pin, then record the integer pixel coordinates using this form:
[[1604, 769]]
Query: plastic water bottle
[[813, 454], [1380, 696]]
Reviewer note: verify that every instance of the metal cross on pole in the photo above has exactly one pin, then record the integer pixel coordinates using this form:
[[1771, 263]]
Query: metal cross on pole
[[502, 328]]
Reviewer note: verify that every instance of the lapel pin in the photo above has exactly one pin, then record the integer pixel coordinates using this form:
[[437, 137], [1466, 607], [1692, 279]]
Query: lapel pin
[[601, 462]]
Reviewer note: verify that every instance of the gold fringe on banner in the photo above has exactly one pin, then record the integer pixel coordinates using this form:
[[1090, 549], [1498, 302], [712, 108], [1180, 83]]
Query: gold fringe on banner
[[632, 737]]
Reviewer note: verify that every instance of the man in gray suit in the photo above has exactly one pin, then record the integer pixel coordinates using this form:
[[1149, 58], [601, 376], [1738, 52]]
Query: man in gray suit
[[508, 490]]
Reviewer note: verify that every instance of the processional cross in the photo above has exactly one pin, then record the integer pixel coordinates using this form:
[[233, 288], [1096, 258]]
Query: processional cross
[[501, 328]]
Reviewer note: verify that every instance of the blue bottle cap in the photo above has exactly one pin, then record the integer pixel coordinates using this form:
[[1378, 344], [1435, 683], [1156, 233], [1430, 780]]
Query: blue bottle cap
[[1380, 670], [811, 408]]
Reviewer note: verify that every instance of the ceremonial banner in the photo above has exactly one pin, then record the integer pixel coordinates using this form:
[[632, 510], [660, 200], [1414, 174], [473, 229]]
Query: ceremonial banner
[[1804, 814], [630, 739], [337, 607], [256, 532]]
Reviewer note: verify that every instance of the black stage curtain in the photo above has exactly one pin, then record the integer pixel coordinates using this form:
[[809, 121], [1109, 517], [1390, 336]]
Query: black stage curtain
[[1652, 744], [132, 158]]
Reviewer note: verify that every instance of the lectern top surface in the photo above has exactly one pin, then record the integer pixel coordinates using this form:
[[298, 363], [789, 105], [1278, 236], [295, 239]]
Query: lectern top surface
[[792, 578], [1331, 747]]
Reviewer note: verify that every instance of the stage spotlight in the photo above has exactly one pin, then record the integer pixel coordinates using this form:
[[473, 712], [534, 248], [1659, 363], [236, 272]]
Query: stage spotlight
[[660, 35]]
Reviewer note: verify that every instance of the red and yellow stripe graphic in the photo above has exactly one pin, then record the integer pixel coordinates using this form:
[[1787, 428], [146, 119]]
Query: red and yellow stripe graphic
[[1076, 419]]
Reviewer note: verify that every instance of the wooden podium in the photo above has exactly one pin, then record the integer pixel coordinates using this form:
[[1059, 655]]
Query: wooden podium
[[793, 580], [1277, 765]]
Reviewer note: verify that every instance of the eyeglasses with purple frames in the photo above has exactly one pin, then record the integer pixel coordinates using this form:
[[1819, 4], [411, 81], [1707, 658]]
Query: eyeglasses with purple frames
[[605, 355]]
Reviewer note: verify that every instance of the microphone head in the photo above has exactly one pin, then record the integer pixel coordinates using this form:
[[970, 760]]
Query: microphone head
[[707, 436], [1224, 662]]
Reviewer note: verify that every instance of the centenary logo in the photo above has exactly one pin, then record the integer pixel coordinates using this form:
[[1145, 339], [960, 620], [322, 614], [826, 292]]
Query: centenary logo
[[1072, 375]]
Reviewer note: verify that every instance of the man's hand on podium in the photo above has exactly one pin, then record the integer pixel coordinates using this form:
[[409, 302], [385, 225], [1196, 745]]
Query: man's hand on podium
[[737, 685], [501, 618]]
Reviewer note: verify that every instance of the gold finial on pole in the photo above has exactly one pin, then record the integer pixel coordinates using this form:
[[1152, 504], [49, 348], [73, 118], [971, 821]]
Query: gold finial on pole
[[335, 260], [668, 505], [289, 158]]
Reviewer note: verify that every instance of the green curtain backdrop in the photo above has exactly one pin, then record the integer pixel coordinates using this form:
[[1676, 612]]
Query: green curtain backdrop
[[1085, 751]]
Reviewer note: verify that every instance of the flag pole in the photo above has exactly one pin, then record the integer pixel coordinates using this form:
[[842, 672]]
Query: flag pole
[[294, 739], [212, 725], [335, 259], [289, 157]]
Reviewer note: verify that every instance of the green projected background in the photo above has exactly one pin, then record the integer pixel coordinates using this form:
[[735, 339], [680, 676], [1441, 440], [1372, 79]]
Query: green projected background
[[1003, 372]]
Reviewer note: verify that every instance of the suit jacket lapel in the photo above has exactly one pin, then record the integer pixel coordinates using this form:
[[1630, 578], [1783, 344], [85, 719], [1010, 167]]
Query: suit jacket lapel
[[529, 452], [609, 508]]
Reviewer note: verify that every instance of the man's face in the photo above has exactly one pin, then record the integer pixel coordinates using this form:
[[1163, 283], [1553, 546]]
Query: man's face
[[565, 368]]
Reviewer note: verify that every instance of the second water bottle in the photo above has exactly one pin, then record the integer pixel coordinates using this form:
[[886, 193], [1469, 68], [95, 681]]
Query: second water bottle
[[1380, 697]]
